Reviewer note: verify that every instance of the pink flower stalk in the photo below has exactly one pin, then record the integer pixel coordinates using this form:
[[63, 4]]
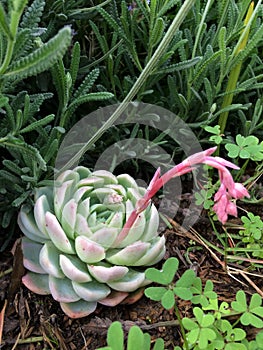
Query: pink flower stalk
[[228, 190]]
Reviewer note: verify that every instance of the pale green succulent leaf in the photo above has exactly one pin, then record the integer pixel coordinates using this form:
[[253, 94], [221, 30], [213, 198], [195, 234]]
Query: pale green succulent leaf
[[88, 251], [37, 283], [118, 189], [79, 308], [57, 234], [129, 255], [31, 252], [127, 181], [62, 290], [49, 260], [91, 181], [117, 220], [81, 192], [83, 172], [101, 193], [154, 254], [91, 291], [92, 220], [134, 195], [68, 217], [82, 227], [152, 224], [62, 194], [107, 176], [105, 274], [105, 236], [41, 207], [47, 191], [29, 234], [27, 224], [68, 175], [84, 208], [156, 259], [74, 269], [130, 282]]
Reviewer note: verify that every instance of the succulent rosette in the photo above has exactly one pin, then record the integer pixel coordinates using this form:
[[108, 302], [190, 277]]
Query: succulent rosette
[[73, 249]]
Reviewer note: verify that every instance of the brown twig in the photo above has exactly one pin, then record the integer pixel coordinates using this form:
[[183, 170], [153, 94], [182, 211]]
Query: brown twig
[[2, 315]]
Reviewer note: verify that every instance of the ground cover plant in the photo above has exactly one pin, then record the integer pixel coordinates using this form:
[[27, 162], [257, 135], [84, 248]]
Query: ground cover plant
[[201, 60]]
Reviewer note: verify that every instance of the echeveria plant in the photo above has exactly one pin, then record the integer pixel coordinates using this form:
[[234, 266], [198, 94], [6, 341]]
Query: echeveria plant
[[90, 238]]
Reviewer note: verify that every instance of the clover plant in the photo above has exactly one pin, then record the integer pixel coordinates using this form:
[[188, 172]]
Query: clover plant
[[209, 327], [136, 339], [246, 148]]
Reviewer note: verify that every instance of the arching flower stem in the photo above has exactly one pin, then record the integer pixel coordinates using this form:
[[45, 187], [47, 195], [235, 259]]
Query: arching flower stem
[[228, 190]]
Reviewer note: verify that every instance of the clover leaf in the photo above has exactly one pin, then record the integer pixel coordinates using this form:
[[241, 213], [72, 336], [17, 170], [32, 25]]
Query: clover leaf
[[253, 226], [201, 296], [246, 148], [204, 197], [166, 275], [136, 339], [252, 314], [217, 136], [200, 332], [183, 286]]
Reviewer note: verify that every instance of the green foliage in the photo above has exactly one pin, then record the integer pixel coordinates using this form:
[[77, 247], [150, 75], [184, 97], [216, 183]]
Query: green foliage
[[199, 331], [209, 328], [136, 339], [166, 275], [30, 130], [204, 197], [217, 136], [22, 51], [246, 148], [202, 296], [41, 59], [71, 97], [253, 228], [252, 313]]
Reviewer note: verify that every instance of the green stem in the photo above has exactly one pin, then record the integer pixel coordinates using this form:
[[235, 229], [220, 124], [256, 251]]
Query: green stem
[[216, 232], [182, 13], [208, 4], [242, 170], [14, 21], [178, 316], [235, 72], [88, 9], [221, 22], [231, 85]]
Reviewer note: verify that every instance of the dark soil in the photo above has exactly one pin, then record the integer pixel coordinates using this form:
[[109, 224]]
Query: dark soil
[[36, 322]]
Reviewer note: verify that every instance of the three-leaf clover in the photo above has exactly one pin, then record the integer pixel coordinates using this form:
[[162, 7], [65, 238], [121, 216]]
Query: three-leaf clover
[[164, 277], [136, 339], [201, 296], [253, 226], [252, 314], [204, 197], [200, 331], [182, 287], [246, 148], [217, 136], [232, 336]]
